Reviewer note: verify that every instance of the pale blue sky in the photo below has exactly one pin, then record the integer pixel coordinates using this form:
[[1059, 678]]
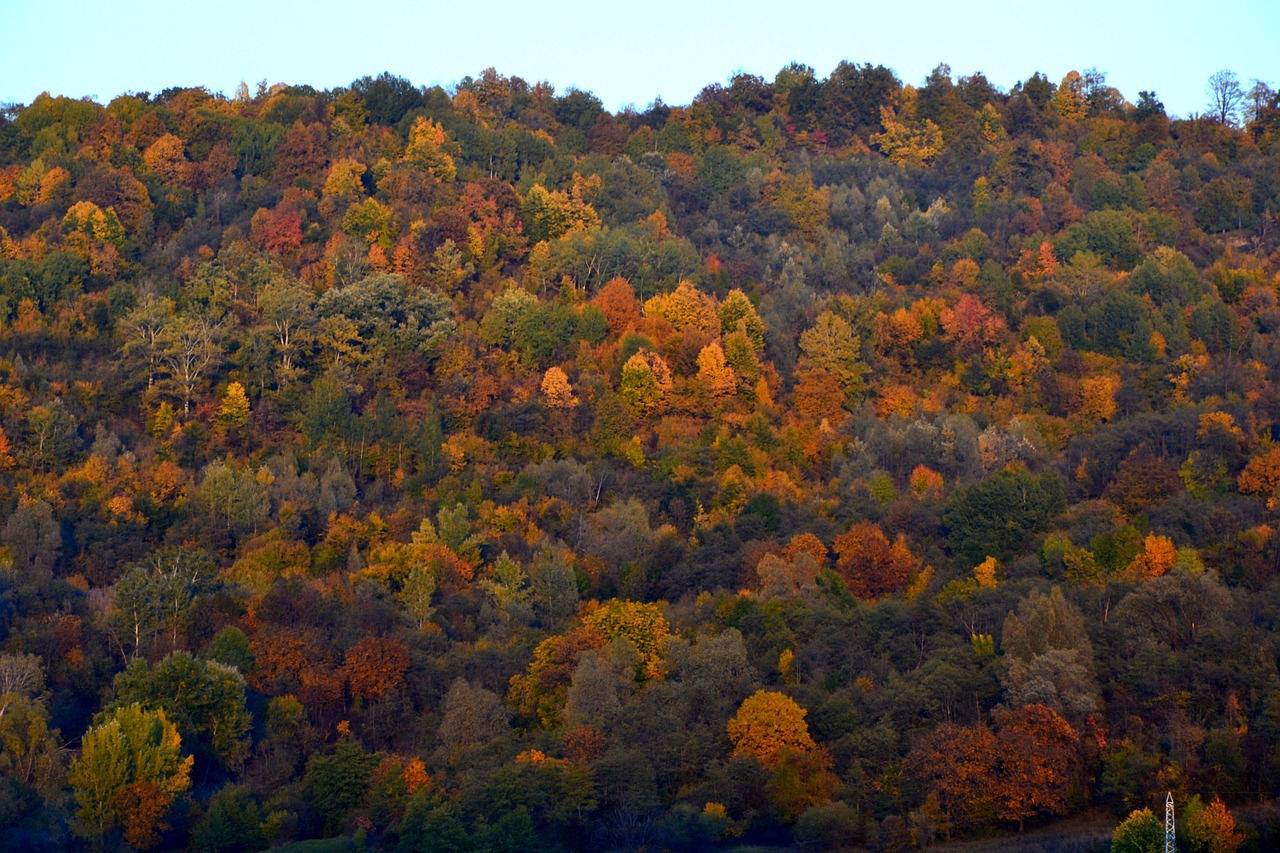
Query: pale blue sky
[[626, 53]]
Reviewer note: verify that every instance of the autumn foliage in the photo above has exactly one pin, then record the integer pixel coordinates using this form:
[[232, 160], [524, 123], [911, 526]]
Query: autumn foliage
[[837, 461]]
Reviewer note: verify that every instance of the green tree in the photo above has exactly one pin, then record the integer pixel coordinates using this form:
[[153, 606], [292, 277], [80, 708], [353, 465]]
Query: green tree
[[416, 594], [231, 822], [388, 316], [290, 309], [1048, 656], [155, 597], [335, 784], [553, 585], [52, 436], [994, 517], [231, 496], [204, 699]]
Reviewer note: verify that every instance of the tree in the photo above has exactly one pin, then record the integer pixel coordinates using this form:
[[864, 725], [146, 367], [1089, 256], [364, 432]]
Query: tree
[[190, 346], [1226, 96], [425, 150], [334, 784], [344, 179], [34, 539], [1209, 829], [1048, 656], [471, 715], [1261, 476], [831, 345], [1157, 557], [52, 435], [956, 764], [713, 373], [232, 496], [155, 596], [640, 624], [738, 314], [645, 382], [205, 700], [617, 301], [30, 752], [995, 516], [129, 772], [232, 822], [233, 412], [507, 584], [144, 331], [1037, 762], [557, 390], [907, 142], [21, 677], [551, 214], [1260, 99], [1148, 106], [416, 593], [1141, 832], [553, 585], [290, 308], [388, 317], [767, 725], [1069, 100], [869, 564], [688, 310], [374, 666]]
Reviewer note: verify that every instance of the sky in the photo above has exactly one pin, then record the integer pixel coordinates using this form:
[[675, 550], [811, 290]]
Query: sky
[[626, 53]]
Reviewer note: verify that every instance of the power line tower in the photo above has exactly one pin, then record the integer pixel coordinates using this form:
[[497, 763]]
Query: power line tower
[[1169, 846]]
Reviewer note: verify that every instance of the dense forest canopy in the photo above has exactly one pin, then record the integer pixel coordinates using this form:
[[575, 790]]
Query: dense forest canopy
[[831, 462]]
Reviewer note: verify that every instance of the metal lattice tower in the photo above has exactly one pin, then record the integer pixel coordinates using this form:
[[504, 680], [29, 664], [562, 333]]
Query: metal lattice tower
[[1169, 846]]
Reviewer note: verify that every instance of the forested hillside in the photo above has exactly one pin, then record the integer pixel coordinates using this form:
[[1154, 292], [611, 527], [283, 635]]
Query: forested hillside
[[829, 462]]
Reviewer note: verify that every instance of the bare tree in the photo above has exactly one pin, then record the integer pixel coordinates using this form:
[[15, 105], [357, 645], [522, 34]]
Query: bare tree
[[1257, 100], [1225, 96], [21, 676]]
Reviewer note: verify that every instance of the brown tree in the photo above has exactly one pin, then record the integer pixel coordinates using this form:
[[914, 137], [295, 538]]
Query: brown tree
[[870, 565]]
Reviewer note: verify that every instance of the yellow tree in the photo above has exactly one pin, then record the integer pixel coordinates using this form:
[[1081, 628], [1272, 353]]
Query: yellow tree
[[686, 309], [557, 390], [129, 771], [770, 727], [549, 215], [344, 180], [906, 141], [1098, 397], [426, 150], [832, 345], [768, 724], [1069, 100], [714, 373], [233, 413], [642, 625], [1156, 558], [926, 482], [166, 159]]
